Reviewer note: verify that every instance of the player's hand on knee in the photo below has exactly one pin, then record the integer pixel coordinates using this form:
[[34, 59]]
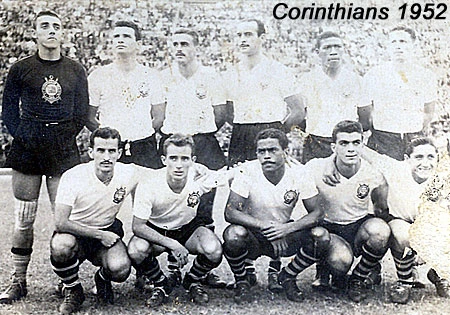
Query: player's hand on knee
[[276, 230], [108, 239], [181, 254]]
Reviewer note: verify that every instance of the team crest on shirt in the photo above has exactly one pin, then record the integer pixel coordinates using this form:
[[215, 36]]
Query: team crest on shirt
[[363, 191], [201, 92], [51, 90], [290, 196], [119, 195], [193, 199]]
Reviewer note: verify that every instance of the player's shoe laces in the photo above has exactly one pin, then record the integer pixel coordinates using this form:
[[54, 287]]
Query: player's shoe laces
[[73, 298], [400, 292], [105, 292], [212, 280], [442, 285], [357, 290], [198, 294], [242, 292], [16, 290], [157, 297], [272, 283], [290, 287]]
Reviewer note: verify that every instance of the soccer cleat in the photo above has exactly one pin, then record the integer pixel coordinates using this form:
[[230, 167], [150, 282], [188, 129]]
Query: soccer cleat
[[73, 298], [174, 278], [143, 283], [251, 278], [212, 280], [105, 293], [357, 290], [272, 283], [290, 287], [322, 281], [157, 298], [16, 290], [198, 294], [442, 285], [400, 292], [242, 292], [374, 277], [339, 283]]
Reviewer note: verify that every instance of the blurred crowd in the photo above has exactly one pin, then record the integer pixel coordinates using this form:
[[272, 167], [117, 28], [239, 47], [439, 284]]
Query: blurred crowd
[[87, 23]]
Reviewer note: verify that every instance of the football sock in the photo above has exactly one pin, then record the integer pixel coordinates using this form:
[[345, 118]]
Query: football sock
[[369, 261], [21, 259], [67, 271]]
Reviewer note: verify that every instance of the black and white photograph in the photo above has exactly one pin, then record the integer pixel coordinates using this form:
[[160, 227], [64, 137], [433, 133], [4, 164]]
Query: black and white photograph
[[225, 157]]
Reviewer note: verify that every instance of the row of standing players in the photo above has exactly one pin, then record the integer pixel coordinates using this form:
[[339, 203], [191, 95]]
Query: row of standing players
[[46, 99]]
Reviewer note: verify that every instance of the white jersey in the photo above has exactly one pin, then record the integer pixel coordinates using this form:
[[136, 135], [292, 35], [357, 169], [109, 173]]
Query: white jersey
[[190, 101], [268, 201], [124, 100], [328, 100], [156, 202], [399, 97], [348, 201], [404, 195], [258, 94], [93, 203]]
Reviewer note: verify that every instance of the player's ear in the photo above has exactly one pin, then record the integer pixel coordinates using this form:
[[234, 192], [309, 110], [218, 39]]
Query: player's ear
[[194, 158], [333, 147], [405, 157], [163, 160], [120, 153], [33, 34], [90, 152]]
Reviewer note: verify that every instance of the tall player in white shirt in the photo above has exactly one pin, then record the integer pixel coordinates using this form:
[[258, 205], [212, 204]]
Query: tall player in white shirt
[[89, 197]]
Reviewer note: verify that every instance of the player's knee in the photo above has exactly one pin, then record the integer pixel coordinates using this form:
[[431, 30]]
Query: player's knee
[[119, 268], [321, 238], [340, 256], [212, 249], [399, 234], [63, 246], [138, 249], [24, 214], [235, 235], [378, 231]]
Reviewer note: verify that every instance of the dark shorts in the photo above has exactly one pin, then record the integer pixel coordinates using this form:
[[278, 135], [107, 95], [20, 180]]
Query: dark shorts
[[347, 232], [242, 143], [391, 144], [294, 240], [143, 152], [88, 248], [44, 148], [207, 150], [316, 147], [182, 234]]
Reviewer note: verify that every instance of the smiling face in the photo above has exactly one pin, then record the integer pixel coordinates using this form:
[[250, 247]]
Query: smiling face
[[248, 41], [124, 40], [178, 161], [330, 52], [49, 32], [400, 46], [423, 161], [270, 154], [105, 154], [183, 48], [348, 148]]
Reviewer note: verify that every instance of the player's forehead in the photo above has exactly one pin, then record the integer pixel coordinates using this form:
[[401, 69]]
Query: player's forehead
[[331, 41], [399, 35], [48, 19], [425, 150], [110, 143], [174, 150], [348, 136], [182, 38], [247, 27], [124, 30], [268, 143]]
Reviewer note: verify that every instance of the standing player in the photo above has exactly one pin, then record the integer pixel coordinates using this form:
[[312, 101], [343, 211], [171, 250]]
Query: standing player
[[195, 105], [262, 91], [332, 91], [263, 196], [347, 204], [399, 97], [123, 92], [45, 105], [88, 200], [165, 219]]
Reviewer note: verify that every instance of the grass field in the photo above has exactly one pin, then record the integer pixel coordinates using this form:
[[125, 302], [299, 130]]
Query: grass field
[[42, 299]]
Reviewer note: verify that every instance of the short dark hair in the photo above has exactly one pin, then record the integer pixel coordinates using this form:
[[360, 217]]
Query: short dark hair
[[104, 133], [418, 141], [273, 133], [260, 28], [46, 13], [325, 35], [347, 126], [179, 140], [189, 32], [134, 26], [406, 29]]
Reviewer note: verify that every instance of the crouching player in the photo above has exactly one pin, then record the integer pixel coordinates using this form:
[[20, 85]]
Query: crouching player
[[165, 219], [262, 198], [88, 199], [347, 211]]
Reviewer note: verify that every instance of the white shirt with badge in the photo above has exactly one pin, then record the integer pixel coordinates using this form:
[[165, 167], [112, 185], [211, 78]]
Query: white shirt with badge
[[268, 201]]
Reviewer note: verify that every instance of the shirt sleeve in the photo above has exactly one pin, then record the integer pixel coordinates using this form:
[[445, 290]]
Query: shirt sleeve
[[95, 90], [307, 186], [143, 205], [287, 82], [11, 98], [67, 192], [430, 88], [241, 183], [157, 89], [81, 99], [217, 89]]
